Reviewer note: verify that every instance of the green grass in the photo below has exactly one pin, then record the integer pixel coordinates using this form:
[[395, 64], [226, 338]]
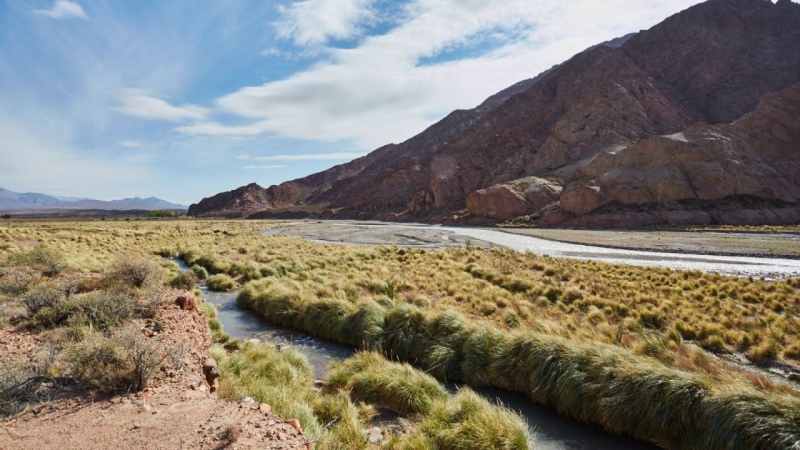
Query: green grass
[[595, 383], [356, 386]]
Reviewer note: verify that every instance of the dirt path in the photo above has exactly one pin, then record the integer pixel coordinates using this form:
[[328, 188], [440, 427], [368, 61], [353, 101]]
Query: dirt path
[[176, 412]]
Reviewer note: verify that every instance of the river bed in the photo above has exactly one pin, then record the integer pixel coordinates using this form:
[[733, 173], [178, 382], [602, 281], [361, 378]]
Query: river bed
[[435, 236]]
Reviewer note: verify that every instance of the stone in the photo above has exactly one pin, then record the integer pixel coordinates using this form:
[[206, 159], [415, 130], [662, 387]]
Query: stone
[[264, 408], [375, 435], [294, 423], [186, 301]]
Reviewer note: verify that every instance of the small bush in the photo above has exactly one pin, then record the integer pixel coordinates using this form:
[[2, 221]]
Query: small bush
[[133, 272], [126, 361], [184, 280], [221, 283], [199, 271], [46, 260], [101, 309], [44, 295]]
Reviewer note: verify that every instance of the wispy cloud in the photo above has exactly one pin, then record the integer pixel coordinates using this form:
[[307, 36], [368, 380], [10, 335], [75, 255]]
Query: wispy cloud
[[314, 22], [390, 85], [305, 157], [130, 143], [138, 103], [63, 9], [267, 167]]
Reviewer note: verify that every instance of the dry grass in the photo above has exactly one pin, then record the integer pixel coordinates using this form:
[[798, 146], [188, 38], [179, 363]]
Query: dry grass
[[379, 297]]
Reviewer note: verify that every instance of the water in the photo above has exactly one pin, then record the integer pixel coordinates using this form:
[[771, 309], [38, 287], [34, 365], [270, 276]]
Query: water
[[552, 432], [431, 236]]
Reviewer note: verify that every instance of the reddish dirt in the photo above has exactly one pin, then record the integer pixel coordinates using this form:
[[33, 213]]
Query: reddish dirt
[[175, 411]]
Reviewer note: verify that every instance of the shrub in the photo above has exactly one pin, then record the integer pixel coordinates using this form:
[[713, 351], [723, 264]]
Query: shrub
[[133, 272], [46, 260], [221, 282], [43, 295], [101, 309], [126, 361], [184, 280]]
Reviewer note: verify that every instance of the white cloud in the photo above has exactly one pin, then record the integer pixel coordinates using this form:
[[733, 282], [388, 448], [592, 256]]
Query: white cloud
[[387, 88], [63, 9], [267, 167], [130, 143], [305, 157], [314, 22], [137, 103]]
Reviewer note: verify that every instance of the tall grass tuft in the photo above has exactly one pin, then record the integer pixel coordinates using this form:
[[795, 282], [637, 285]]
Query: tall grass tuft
[[399, 387], [468, 421], [592, 382]]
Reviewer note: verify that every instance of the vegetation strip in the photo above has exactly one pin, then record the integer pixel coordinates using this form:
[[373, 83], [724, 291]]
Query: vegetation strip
[[597, 383]]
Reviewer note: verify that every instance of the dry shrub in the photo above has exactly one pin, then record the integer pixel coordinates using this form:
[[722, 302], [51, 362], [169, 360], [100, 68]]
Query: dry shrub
[[125, 361], [133, 272]]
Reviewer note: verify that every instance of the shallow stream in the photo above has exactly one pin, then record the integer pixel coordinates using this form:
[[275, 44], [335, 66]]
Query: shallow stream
[[553, 432]]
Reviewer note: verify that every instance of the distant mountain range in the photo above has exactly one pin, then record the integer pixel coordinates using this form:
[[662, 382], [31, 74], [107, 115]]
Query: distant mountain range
[[694, 121], [15, 201]]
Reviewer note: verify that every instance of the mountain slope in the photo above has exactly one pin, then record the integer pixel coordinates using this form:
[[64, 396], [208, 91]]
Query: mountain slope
[[712, 63]]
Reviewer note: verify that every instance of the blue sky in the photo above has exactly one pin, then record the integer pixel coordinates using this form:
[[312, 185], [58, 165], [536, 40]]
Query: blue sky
[[184, 99]]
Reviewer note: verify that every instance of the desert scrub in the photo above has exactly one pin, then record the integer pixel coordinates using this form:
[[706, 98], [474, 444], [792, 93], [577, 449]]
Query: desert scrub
[[221, 282], [122, 362]]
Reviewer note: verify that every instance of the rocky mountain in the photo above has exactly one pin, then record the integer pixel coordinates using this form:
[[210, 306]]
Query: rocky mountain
[[15, 201], [692, 121]]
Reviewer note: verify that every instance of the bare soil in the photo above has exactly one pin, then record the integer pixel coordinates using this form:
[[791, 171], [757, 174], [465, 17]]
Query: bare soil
[[176, 411], [778, 245]]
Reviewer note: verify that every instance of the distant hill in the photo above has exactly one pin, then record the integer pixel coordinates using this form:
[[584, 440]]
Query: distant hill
[[16, 201], [693, 121]]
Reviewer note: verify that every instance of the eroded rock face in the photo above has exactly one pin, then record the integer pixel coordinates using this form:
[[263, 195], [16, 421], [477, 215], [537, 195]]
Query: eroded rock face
[[756, 157], [508, 200]]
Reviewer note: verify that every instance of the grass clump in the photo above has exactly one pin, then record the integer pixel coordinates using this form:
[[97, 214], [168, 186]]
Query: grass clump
[[221, 283], [468, 421], [281, 379], [371, 378]]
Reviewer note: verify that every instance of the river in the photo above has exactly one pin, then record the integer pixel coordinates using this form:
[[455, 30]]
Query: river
[[552, 432]]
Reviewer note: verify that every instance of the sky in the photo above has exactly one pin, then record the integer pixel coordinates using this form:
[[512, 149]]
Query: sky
[[184, 99]]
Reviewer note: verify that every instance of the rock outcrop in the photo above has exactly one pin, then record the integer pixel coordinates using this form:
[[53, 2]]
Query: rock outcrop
[[694, 110], [757, 158], [513, 199]]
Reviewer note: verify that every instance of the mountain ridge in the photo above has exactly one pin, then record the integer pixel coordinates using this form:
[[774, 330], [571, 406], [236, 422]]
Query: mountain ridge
[[712, 63], [23, 201]]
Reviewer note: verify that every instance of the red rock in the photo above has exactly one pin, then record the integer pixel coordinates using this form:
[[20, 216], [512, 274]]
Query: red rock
[[294, 423], [186, 301]]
